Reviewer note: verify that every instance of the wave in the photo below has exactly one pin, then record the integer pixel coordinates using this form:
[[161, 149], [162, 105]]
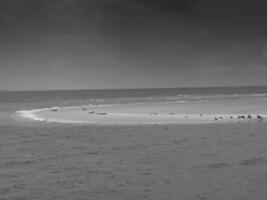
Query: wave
[[31, 114], [192, 96], [187, 97]]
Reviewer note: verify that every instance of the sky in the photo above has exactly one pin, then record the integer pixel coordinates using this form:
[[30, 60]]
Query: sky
[[101, 44]]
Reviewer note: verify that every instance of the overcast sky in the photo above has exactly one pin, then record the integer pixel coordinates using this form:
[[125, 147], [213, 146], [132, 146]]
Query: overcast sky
[[92, 44]]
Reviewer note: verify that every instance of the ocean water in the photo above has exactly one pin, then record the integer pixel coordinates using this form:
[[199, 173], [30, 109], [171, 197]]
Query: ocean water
[[67, 161]]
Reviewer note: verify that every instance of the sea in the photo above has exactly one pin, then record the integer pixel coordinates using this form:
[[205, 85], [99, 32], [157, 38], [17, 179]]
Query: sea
[[40, 160]]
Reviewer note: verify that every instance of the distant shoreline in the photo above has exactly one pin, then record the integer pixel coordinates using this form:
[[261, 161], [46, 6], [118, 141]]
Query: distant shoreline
[[145, 88]]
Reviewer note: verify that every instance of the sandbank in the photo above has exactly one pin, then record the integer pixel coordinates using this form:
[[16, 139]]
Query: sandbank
[[154, 113]]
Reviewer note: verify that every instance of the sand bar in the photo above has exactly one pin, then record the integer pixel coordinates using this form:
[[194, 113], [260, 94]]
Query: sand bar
[[154, 113]]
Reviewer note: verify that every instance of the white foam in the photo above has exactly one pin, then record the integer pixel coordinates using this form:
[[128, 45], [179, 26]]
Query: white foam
[[31, 114]]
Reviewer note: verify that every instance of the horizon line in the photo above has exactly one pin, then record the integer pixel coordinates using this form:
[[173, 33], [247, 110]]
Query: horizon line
[[148, 88]]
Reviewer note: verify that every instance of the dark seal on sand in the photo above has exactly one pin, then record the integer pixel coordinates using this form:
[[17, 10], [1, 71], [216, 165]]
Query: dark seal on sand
[[54, 109], [260, 117], [101, 113], [241, 117]]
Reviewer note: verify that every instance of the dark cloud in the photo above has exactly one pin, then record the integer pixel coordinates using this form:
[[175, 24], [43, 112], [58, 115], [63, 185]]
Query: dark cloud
[[183, 6], [244, 12], [227, 11], [185, 41]]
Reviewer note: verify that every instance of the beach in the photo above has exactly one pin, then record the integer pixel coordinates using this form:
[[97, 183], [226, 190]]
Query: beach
[[229, 111]]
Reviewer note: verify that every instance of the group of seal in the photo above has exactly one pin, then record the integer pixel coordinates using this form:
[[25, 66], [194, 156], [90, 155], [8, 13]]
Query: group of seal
[[249, 117]]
